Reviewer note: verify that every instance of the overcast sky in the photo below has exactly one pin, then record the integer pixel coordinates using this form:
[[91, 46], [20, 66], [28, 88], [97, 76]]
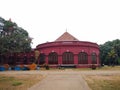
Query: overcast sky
[[45, 20]]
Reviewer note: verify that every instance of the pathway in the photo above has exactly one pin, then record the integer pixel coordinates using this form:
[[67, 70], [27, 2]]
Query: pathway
[[62, 81]]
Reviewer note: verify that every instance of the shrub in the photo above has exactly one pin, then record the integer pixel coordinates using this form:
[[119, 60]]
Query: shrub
[[93, 66], [46, 66]]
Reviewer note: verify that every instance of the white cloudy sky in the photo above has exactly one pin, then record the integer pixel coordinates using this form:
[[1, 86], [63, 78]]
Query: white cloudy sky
[[45, 20]]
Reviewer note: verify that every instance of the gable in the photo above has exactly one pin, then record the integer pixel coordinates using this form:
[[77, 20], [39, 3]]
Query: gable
[[66, 37]]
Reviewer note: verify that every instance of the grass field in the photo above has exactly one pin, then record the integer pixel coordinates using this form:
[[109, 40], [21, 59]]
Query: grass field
[[109, 68], [103, 82], [96, 82], [18, 82]]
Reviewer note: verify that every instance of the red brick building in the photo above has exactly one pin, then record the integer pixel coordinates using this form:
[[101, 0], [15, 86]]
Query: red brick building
[[69, 51]]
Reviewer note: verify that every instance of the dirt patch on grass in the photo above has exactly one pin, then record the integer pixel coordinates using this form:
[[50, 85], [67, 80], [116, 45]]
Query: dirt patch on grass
[[18, 82]]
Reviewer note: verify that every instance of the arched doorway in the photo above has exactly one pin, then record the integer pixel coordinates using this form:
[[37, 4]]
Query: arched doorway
[[53, 58], [82, 58], [67, 58], [94, 58], [42, 59]]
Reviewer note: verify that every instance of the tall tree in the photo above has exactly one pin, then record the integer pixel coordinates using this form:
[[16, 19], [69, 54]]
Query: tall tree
[[13, 38], [112, 57], [110, 52]]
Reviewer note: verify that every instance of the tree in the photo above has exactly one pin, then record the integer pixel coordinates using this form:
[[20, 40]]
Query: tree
[[116, 46], [110, 52], [13, 38], [104, 49], [112, 57]]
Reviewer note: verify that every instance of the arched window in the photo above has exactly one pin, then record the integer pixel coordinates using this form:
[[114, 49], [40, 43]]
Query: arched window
[[82, 58], [2, 58], [94, 58], [18, 59], [32, 59], [11, 60], [53, 58], [68, 58], [42, 59], [25, 60]]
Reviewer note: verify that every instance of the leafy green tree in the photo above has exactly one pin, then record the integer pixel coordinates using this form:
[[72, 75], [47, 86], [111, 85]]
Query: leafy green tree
[[116, 46], [112, 57], [13, 38], [104, 49], [110, 52]]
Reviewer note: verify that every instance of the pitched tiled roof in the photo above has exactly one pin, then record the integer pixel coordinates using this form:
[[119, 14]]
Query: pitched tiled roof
[[66, 37]]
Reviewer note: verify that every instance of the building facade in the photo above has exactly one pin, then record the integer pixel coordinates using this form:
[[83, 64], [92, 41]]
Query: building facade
[[68, 51]]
